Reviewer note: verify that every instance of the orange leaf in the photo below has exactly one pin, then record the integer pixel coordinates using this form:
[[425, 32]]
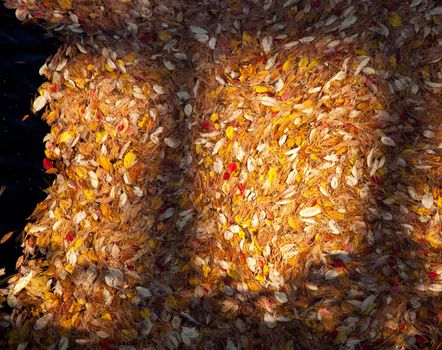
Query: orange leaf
[[6, 236]]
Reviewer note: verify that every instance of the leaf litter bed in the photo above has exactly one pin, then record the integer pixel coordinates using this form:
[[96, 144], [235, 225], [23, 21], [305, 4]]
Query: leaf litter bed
[[236, 174]]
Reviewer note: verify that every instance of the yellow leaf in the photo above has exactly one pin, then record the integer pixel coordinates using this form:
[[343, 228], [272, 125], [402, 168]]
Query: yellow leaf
[[328, 322], [395, 20], [260, 279], [145, 313], [287, 65], [246, 39], [253, 286], [78, 243], [361, 52], [229, 132], [293, 223], [89, 194], [272, 175], [69, 268], [92, 255], [65, 137], [129, 159], [206, 270], [260, 89], [65, 4], [100, 135], [313, 64], [303, 62], [106, 316], [105, 163], [105, 210], [165, 36]]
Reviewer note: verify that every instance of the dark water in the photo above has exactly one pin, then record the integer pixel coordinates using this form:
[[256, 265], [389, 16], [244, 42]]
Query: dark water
[[23, 50]]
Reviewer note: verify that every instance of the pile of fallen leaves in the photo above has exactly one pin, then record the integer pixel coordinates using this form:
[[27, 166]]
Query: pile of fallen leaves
[[237, 174]]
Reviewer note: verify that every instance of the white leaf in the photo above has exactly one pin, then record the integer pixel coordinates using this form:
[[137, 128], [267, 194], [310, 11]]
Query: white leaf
[[310, 211], [427, 200], [391, 324], [158, 89], [281, 297], [188, 110], [269, 101], [388, 141], [202, 38], [63, 344], [331, 274], [154, 136], [167, 214], [415, 3], [429, 134], [351, 181], [13, 301], [198, 30], [39, 103], [433, 84], [102, 334], [228, 235], [291, 44], [212, 43], [217, 146], [93, 179], [334, 183], [279, 85], [270, 62], [333, 227], [282, 140], [71, 257], [269, 320], [251, 263], [361, 65], [333, 43], [79, 217], [267, 44], [114, 278], [348, 22], [144, 292], [368, 301], [35, 229], [188, 335], [22, 283], [172, 142], [43, 321], [307, 39], [169, 65], [436, 288], [435, 11], [218, 165]]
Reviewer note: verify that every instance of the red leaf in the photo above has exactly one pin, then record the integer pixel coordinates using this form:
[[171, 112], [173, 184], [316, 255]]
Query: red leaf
[[226, 176], [241, 188], [420, 340], [47, 164], [69, 237], [338, 263], [231, 168], [207, 126], [433, 275]]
